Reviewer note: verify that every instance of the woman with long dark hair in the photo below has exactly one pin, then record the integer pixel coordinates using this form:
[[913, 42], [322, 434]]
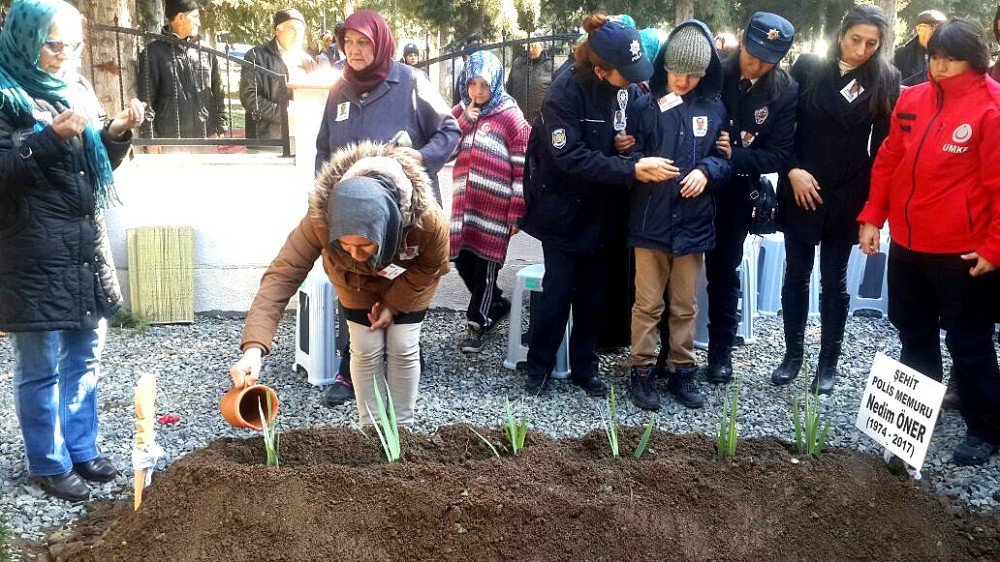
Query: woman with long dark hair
[[995, 71], [576, 193], [844, 106], [935, 181]]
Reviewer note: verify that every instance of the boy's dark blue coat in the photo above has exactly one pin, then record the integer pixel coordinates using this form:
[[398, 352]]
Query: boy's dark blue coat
[[659, 218]]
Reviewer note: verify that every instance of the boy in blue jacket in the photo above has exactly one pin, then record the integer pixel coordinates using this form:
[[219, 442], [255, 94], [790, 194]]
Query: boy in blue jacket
[[671, 222]]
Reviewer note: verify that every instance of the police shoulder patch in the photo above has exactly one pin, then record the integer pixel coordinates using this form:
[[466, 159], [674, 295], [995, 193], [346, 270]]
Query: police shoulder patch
[[559, 138]]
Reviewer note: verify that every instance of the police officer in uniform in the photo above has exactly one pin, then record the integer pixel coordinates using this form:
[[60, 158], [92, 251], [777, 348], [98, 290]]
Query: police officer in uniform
[[576, 193], [760, 101]]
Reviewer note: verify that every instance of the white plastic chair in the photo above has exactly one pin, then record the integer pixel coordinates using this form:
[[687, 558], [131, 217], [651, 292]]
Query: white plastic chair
[[529, 279]]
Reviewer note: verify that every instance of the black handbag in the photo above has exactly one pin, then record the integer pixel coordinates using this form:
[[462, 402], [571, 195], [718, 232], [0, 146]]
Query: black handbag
[[764, 212]]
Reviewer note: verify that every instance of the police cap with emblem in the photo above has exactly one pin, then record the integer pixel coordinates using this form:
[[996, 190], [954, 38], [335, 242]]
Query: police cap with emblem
[[768, 37], [620, 46]]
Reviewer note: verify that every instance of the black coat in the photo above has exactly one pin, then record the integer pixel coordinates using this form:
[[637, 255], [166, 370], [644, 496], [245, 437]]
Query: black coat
[[56, 269], [263, 95], [529, 81], [911, 60], [832, 144], [761, 125], [576, 185], [183, 86]]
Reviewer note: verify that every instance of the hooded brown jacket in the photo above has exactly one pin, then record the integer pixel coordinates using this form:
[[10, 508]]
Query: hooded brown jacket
[[424, 253]]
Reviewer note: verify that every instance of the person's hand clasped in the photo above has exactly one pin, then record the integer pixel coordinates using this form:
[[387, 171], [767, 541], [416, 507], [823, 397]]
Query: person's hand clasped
[[69, 124], [380, 317], [623, 142], [868, 239], [654, 168], [724, 145], [246, 371], [127, 119], [694, 183], [981, 267], [805, 188]]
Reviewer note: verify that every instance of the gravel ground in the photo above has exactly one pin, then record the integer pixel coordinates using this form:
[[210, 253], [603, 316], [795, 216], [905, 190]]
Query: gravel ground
[[191, 363]]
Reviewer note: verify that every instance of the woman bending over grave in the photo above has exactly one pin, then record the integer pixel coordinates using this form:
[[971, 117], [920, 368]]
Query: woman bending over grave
[[384, 243]]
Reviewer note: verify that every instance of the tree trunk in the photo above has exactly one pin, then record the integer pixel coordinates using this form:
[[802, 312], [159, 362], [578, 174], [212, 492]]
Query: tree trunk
[[684, 10], [889, 7], [149, 15], [109, 58]]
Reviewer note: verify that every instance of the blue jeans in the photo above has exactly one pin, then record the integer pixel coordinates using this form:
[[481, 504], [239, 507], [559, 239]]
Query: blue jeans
[[55, 396]]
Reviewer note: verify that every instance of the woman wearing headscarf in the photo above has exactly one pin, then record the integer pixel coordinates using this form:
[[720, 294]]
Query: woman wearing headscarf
[[378, 99], [488, 201], [383, 240], [576, 194], [843, 116], [935, 180], [57, 277]]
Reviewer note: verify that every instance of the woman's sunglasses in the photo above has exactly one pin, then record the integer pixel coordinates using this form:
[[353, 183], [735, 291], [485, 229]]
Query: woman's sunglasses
[[60, 47]]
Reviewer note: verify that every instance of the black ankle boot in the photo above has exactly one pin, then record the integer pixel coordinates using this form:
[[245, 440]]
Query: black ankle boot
[[794, 313], [833, 317], [720, 364], [642, 383]]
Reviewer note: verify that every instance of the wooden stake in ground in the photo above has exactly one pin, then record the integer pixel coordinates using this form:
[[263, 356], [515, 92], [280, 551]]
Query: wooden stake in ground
[[145, 449]]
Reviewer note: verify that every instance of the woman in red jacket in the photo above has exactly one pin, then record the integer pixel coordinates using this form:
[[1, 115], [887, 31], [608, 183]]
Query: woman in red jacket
[[934, 181]]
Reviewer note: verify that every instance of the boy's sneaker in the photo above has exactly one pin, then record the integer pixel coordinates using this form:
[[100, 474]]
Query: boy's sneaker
[[681, 385], [475, 342]]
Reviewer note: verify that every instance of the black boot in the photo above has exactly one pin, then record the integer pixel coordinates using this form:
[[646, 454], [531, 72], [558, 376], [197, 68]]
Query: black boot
[[833, 317], [794, 313], [643, 386], [68, 486], [720, 364], [681, 385], [97, 470]]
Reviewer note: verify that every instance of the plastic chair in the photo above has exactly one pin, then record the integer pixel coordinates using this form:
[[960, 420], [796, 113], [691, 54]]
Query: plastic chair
[[320, 332], [529, 279], [772, 277], [747, 304], [868, 291]]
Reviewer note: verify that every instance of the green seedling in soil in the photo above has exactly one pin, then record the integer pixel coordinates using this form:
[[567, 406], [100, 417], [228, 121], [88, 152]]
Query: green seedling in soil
[[515, 430], [388, 434], [271, 437], [807, 420], [727, 436], [644, 440], [611, 423], [487, 441]]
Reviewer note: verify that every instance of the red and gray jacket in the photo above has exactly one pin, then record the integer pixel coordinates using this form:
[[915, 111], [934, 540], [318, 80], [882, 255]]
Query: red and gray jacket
[[935, 176]]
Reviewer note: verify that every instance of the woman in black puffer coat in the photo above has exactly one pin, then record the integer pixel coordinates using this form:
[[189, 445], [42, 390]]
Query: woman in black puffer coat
[[57, 278]]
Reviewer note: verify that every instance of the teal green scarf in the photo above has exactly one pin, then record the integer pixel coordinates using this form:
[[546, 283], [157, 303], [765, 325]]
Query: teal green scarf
[[25, 30]]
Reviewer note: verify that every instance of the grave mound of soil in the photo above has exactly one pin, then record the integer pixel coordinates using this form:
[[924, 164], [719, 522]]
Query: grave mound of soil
[[335, 498]]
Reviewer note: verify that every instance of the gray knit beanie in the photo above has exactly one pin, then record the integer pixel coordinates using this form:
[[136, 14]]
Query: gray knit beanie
[[688, 52]]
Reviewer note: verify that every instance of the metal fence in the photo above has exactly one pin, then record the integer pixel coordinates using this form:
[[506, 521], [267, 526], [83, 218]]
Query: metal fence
[[447, 67], [207, 73], [126, 60]]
